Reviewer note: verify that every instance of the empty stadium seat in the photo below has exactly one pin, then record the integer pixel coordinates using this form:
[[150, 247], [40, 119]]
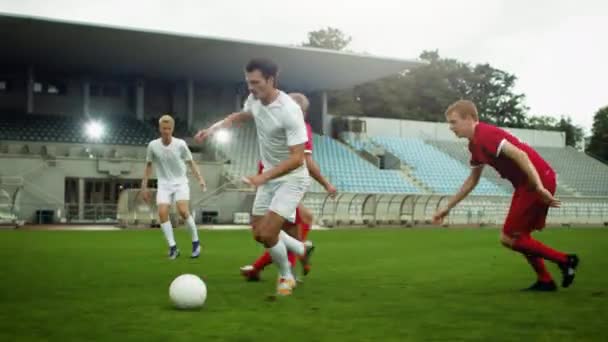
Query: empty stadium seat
[[440, 172], [344, 168], [119, 130]]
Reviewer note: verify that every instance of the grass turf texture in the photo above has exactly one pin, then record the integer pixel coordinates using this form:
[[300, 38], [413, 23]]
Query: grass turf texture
[[376, 285]]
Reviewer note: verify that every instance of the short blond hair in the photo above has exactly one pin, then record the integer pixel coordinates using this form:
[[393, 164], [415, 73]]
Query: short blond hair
[[301, 100], [465, 108], [166, 119]]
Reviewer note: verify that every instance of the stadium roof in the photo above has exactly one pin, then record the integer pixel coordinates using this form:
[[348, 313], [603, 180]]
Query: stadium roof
[[88, 48]]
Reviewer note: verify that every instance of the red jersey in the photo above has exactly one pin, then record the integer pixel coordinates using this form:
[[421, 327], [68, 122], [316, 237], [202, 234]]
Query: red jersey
[[485, 148], [307, 147]]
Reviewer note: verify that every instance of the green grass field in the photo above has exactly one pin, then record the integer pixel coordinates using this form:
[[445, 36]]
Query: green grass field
[[366, 285]]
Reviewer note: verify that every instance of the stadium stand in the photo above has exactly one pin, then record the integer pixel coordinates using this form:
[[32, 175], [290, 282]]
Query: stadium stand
[[439, 171], [119, 130], [569, 164], [589, 177], [345, 169]]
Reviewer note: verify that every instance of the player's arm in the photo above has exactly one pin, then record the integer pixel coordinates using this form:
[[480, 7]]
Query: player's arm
[[315, 172], [294, 161], [469, 184], [227, 122], [522, 160], [147, 168], [197, 174], [146, 177], [144, 181]]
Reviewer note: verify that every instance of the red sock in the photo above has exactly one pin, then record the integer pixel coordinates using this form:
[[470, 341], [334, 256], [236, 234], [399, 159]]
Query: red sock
[[292, 258], [263, 261], [538, 264], [527, 245]]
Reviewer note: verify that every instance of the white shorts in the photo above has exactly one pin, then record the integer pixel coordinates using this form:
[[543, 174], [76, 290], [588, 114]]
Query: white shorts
[[281, 197], [170, 193]]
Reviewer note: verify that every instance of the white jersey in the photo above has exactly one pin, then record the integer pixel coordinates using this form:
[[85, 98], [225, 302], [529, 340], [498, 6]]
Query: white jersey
[[169, 161], [279, 125]]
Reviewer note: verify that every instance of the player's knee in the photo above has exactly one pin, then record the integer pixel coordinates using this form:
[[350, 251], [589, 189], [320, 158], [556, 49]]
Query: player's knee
[[506, 241], [306, 215], [184, 213], [163, 215]]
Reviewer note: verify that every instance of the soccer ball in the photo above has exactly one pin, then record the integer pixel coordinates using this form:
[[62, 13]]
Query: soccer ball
[[188, 292]]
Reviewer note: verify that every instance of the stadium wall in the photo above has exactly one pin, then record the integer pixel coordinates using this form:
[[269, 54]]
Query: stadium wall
[[45, 178], [441, 131]]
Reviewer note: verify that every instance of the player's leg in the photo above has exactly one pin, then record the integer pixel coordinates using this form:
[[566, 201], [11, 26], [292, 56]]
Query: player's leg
[[184, 212], [304, 220], [286, 197], [527, 214], [544, 281], [182, 200], [163, 202], [252, 272], [292, 230], [266, 227], [266, 231]]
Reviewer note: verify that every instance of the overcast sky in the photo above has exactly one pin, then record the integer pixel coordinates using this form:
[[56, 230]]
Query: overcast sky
[[558, 49]]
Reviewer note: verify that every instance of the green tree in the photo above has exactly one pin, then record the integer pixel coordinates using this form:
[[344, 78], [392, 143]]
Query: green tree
[[598, 144], [328, 38], [574, 133]]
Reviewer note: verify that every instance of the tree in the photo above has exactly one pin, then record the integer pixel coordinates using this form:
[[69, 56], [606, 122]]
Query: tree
[[598, 144], [574, 133], [492, 91], [328, 38], [542, 122]]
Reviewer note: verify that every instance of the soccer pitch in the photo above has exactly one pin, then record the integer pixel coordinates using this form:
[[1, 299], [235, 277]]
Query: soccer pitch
[[365, 285]]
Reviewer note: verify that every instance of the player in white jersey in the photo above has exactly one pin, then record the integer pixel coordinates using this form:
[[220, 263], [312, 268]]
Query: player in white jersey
[[169, 156], [281, 136]]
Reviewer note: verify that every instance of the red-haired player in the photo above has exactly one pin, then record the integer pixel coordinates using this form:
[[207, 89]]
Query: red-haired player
[[302, 225], [533, 179]]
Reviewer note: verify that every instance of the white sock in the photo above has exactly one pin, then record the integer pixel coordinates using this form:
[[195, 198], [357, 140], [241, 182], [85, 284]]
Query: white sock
[[292, 243], [278, 253], [168, 231], [192, 226]]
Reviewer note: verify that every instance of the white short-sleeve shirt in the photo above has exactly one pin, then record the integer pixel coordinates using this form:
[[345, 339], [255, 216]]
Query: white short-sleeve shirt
[[169, 160], [279, 125]]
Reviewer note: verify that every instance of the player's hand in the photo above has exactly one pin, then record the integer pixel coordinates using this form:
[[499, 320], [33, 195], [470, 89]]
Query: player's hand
[[548, 198], [202, 135], [440, 216], [254, 181], [203, 185], [145, 194], [331, 190]]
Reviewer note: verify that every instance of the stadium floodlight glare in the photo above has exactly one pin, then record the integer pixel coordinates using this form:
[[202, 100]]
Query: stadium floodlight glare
[[222, 136], [94, 130]]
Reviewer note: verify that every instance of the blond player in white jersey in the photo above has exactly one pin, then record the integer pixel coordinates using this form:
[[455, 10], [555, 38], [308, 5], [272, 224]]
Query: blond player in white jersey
[[281, 136], [170, 156]]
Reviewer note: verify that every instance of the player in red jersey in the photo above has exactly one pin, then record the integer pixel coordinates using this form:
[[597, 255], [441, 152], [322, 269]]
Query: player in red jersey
[[304, 217], [533, 179]]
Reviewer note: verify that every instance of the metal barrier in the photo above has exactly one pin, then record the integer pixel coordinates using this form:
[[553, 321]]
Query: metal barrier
[[414, 209]]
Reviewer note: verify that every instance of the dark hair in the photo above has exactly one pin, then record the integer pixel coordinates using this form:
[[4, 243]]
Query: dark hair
[[267, 67]]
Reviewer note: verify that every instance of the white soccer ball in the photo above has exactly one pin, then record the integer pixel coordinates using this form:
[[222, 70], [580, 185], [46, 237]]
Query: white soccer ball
[[188, 292]]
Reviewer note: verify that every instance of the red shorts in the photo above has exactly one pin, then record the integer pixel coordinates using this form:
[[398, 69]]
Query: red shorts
[[527, 212]]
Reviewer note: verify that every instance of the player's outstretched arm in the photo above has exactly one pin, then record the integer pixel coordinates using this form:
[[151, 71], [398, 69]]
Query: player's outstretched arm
[[231, 119], [315, 172], [469, 184], [295, 160], [523, 162]]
